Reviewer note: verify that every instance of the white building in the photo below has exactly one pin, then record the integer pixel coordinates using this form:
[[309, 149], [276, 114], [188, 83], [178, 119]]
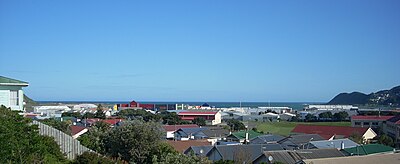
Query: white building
[[11, 94], [51, 111], [330, 107]]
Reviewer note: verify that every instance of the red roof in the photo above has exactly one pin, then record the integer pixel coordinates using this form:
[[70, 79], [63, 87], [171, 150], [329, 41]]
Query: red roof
[[76, 129], [380, 118], [328, 131], [112, 121], [197, 113], [176, 127]]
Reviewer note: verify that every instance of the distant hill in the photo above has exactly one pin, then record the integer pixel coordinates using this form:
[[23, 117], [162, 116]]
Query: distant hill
[[385, 97], [29, 103]]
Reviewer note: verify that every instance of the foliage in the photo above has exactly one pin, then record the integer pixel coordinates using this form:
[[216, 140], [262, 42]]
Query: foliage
[[236, 124], [21, 143], [93, 138], [224, 162], [171, 118], [99, 112], [132, 114], [200, 121], [356, 137], [135, 141], [386, 140], [325, 115], [93, 158], [340, 116], [64, 126], [89, 115], [178, 158], [72, 114], [309, 117]]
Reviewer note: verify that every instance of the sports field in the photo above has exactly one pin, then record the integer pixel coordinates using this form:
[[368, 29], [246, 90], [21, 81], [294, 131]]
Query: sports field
[[284, 128]]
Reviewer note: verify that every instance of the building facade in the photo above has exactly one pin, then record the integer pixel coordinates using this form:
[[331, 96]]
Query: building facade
[[11, 94]]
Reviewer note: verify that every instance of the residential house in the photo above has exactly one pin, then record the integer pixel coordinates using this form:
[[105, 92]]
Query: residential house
[[11, 94], [212, 118], [374, 122], [367, 149], [296, 156], [77, 131], [170, 129], [200, 151], [181, 146], [366, 159], [190, 134], [392, 129], [335, 132], [266, 139], [240, 153], [295, 142], [242, 136], [329, 144]]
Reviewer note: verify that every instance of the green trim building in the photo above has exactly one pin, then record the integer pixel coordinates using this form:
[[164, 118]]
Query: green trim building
[[368, 149], [11, 94]]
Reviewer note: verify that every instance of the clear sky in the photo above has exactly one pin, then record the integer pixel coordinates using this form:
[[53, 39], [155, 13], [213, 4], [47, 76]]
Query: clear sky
[[208, 50]]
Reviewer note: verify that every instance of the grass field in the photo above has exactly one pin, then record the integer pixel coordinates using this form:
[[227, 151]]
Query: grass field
[[284, 128]]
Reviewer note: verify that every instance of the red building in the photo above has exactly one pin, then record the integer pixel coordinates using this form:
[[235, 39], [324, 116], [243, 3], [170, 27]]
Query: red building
[[212, 117]]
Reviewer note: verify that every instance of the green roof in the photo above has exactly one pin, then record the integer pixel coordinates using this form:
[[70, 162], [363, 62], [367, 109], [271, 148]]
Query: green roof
[[242, 134], [368, 149], [9, 81]]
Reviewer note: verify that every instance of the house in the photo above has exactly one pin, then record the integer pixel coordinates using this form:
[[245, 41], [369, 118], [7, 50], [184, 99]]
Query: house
[[190, 134], [367, 149], [374, 122], [300, 141], [200, 151], [240, 153], [170, 129], [218, 133], [367, 159], [392, 129], [241, 136], [11, 94], [212, 118], [296, 156], [181, 146], [51, 111], [77, 131], [329, 144], [266, 139], [334, 132]]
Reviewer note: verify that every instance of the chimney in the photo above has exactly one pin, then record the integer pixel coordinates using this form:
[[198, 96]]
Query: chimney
[[247, 137], [342, 146]]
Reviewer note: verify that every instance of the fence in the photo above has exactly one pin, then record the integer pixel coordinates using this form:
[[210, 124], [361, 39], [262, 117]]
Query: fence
[[68, 145]]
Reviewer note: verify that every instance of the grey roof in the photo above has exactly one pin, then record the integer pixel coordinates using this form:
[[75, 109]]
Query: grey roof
[[292, 157], [216, 132], [191, 130], [198, 150], [229, 152], [266, 139], [295, 141], [334, 143]]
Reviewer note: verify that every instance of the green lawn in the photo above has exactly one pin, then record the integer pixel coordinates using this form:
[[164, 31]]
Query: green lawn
[[284, 128]]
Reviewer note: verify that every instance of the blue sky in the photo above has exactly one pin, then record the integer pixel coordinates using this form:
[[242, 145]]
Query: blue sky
[[225, 50]]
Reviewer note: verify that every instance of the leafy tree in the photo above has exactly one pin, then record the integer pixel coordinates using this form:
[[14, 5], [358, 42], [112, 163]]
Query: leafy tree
[[90, 157], [93, 138], [170, 118], [21, 143], [309, 117], [100, 113], [340, 116], [72, 114], [386, 140], [325, 115], [224, 162], [200, 121], [358, 138], [89, 115], [135, 141], [138, 114], [236, 124]]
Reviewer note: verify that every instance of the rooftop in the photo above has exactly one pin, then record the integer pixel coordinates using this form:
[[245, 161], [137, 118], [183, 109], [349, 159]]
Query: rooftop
[[366, 159], [368, 149], [328, 131], [181, 146], [242, 134], [395, 119], [12, 82], [197, 113], [176, 127]]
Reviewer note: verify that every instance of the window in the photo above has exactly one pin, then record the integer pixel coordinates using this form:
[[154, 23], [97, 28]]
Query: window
[[357, 123], [366, 123], [14, 98], [375, 123]]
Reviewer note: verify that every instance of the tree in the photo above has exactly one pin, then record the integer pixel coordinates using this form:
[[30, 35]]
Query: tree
[[325, 115], [133, 114], [340, 116], [90, 157], [200, 121], [309, 117], [21, 143], [357, 137], [64, 126], [135, 141], [100, 113], [72, 114], [386, 140], [236, 124], [93, 138]]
